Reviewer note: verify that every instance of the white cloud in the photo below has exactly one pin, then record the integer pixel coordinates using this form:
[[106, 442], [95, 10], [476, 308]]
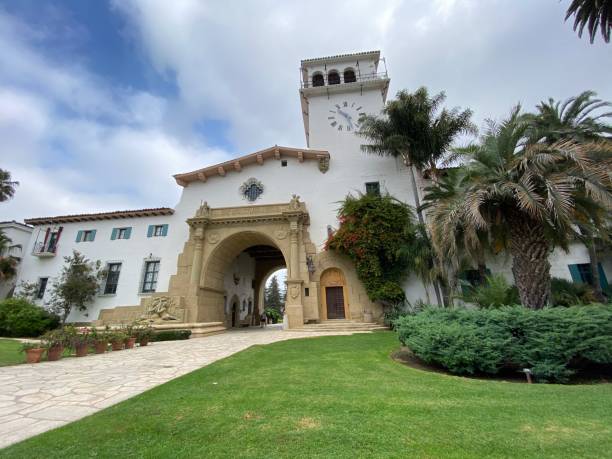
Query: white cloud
[[77, 144]]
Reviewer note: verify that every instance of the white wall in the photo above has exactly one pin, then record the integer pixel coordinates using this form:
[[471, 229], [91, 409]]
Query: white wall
[[243, 267], [130, 252], [20, 237]]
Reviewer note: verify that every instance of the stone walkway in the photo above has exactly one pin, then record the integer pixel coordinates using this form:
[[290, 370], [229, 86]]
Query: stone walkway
[[41, 397]]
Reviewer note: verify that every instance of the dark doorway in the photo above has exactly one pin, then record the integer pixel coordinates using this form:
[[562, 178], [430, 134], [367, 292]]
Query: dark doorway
[[334, 297], [235, 314]]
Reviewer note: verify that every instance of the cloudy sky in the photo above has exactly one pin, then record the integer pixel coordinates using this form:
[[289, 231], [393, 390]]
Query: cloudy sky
[[101, 102]]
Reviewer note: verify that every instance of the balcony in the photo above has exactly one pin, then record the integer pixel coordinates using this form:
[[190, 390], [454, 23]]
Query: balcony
[[44, 250]]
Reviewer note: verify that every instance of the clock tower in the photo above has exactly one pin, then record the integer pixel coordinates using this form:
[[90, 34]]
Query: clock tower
[[335, 92]]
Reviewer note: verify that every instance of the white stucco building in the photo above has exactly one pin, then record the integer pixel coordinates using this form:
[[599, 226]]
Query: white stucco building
[[237, 222], [19, 235]]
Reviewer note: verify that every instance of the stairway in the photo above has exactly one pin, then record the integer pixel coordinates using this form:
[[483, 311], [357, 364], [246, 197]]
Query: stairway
[[341, 325]]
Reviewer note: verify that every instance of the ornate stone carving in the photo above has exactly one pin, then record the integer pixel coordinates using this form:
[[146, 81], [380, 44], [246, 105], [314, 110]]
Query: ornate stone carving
[[160, 308], [294, 204], [294, 291], [203, 210], [212, 237], [324, 163], [280, 234], [251, 189]]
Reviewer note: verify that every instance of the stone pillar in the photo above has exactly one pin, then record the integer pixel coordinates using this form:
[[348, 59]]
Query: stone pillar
[[196, 266], [294, 309]]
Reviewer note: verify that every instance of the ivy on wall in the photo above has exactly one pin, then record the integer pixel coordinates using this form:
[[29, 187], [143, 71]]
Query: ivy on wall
[[372, 231]]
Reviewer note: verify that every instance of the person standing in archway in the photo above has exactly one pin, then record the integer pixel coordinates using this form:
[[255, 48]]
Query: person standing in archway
[[263, 319]]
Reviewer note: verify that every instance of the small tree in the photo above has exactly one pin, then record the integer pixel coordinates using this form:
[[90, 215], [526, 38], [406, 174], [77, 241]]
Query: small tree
[[272, 295], [76, 286], [27, 291], [7, 186]]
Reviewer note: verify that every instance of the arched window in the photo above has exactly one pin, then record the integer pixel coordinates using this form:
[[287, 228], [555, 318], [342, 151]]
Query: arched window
[[349, 76], [318, 80], [244, 305], [333, 77]]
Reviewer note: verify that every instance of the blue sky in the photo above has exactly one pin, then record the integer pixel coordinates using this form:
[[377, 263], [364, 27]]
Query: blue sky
[[102, 101]]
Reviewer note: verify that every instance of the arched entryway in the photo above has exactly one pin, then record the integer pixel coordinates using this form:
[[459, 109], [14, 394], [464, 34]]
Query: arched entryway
[[236, 268], [334, 295]]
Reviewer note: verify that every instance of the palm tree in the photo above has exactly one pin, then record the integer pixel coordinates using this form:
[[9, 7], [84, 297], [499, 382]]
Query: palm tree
[[523, 195], [7, 187], [593, 14], [413, 128], [576, 118], [454, 238]]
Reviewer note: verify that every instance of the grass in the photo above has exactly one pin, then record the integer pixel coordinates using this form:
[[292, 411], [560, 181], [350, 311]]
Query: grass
[[337, 397], [10, 352]]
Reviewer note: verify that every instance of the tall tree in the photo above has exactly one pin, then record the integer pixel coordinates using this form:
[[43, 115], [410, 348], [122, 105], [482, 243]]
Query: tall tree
[[7, 186], [526, 195], [416, 129], [592, 14], [272, 295], [581, 118]]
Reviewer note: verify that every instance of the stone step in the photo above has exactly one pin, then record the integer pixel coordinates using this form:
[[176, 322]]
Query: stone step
[[341, 326]]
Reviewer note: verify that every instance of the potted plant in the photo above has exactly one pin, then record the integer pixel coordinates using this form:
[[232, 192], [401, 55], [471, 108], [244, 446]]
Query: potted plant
[[130, 338], [99, 339], [81, 341], [144, 334], [117, 339], [33, 352], [55, 342]]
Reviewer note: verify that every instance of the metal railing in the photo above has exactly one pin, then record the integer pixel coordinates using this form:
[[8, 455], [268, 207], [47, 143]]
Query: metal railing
[[42, 248], [359, 78]]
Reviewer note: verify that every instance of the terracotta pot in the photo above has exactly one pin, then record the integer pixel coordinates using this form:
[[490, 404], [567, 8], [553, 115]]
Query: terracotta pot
[[101, 346], [82, 349], [117, 345], [55, 353], [129, 343], [144, 342], [34, 355]]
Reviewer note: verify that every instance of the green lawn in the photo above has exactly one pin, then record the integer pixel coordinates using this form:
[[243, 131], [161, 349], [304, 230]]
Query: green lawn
[[10, 352], [337, 397]]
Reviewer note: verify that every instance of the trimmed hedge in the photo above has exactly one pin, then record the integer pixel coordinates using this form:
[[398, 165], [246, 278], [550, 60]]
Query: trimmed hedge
[[171, 335], [554, 342], [22, 319]]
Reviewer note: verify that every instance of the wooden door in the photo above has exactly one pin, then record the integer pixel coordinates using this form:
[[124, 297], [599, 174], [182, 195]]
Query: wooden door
[[334, 297]]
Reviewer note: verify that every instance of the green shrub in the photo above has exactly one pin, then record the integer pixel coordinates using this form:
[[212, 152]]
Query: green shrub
[[554, 342], [493, 293], [568, 293], [171, 335], [20, 318], [273, 315]]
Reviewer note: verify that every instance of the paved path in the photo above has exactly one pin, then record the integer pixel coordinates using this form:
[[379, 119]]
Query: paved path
[[41, 397]]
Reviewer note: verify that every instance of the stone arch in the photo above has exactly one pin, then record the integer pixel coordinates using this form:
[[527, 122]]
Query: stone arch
[[357, 298], [220, 256]]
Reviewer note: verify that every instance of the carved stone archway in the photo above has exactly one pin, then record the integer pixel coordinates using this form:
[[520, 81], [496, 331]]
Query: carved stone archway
[[218, 235]]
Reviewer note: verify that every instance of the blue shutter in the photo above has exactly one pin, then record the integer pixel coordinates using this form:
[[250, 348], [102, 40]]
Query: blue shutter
[[93, 235], [79, 236], [603, 280], [150, 230], [128, 232], [114, 234], [164, 230], [575, 272]]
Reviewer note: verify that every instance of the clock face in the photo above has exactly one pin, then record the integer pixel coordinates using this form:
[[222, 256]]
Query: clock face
[[345, 116]]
